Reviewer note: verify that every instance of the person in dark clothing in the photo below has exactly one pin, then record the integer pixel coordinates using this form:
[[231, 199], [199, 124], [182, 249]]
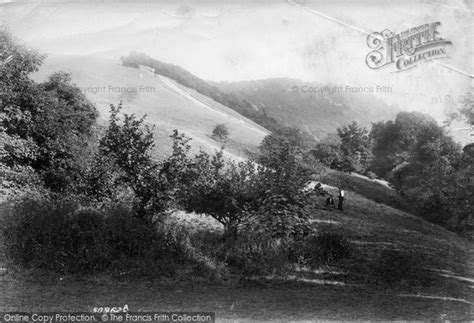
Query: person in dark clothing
[[341, 199], [330, 202]]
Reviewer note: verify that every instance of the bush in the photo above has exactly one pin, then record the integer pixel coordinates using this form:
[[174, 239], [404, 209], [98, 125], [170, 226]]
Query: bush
[[63, 237], [57, 237], [127, 236], [220, 132], [257, 255], [324, 248], [128, 63]]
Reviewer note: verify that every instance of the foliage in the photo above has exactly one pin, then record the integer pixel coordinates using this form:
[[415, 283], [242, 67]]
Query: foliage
[[355, 148], [124, 162], [394, 141], [427, 167], [257, 254], [326, 247], [285, 142], [248, 194], [220, 132], [329, 155], [46, 126], [221, 189], [17, 176], [61, 236]]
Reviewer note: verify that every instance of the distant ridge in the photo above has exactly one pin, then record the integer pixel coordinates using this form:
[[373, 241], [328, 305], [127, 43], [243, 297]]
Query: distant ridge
[[278, 103]]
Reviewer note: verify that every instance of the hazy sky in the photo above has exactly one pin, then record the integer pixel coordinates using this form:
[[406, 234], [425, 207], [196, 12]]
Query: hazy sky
[[320, 41]]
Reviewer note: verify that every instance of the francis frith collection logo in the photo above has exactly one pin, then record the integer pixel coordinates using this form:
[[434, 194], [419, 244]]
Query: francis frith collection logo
[[406, 49]]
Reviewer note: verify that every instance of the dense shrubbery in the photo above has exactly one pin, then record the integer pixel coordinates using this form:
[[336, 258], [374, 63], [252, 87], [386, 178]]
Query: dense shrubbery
[[326, 247], [61, 236], [430, 170], [349, 152], [259, 254], [46, 128]]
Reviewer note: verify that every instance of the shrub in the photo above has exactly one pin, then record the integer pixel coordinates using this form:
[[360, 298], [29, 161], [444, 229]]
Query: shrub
[[63, 237], [324, 248], [257, 255], [127, 236], [129, 63], [55, 236], [220, 132]]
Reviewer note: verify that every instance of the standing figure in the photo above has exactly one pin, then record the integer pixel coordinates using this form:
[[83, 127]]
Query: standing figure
[[341, 199]]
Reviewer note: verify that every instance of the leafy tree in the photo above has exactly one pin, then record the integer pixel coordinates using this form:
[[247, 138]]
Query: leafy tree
[[265, 197], [54, 116], [355, 147], [289, 143], [432, 171], [17, 149], [64, 129], [224, 190], [329, 155], [15, 156], [393, 142], [127, 147], [220, 132]]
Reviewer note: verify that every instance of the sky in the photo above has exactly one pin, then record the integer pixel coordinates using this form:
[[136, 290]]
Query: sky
[[323, 41]]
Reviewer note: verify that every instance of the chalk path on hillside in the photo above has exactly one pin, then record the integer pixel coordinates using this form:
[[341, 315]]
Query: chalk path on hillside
[[175, 88]]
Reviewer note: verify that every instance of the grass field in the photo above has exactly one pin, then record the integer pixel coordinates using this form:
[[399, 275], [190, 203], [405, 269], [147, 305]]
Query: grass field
[[237, 302], [337, 293]]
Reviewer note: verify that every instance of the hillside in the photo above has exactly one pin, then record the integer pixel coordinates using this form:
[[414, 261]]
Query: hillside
[[345, 292], [313, 107], [167, 104], [382, 262], [276, 103]]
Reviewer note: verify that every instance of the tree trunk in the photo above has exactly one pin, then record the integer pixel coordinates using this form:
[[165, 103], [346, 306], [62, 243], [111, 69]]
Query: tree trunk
[[230, 233]]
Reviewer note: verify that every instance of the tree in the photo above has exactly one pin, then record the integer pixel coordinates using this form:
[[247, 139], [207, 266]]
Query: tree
[[222, 189], [54, 116], [64, 128], [286, 142], [329, 155], [220, 132], [127, 147], [267, 197], [433, 173], [355, 147], [393, 142]]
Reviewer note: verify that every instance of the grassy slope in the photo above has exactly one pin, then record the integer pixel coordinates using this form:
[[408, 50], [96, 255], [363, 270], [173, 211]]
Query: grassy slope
[[370, 189], [371, 228], [167, 105]]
